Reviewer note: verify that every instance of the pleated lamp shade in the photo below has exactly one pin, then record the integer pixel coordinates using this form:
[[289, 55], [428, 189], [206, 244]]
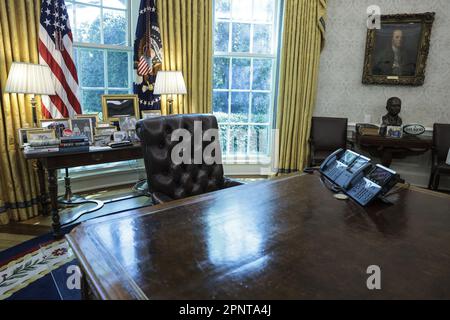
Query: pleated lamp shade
[[30, 78], [169, 82]]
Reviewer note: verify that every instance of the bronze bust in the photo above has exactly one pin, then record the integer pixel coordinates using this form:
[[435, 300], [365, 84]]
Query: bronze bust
[[393, 106]]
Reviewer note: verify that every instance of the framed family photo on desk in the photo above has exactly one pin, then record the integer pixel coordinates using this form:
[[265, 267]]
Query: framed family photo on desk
[[114, 106], [82, 127]]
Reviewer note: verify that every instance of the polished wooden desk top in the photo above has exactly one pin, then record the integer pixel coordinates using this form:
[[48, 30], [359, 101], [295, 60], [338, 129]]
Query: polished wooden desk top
[[287, 238]]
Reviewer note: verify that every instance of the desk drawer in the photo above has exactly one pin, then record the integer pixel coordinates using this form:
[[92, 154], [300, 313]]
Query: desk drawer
[[92, 158]]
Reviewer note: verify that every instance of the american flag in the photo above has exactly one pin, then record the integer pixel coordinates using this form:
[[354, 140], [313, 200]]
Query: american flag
[[55, 50]]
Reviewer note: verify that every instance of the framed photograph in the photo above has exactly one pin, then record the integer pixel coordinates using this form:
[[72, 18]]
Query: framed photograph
[[82, 127], [105, 131], [397, 52], [119, 105], [127, 123], [150, 113], [22, 134], [40, 135], [102, 140], [93, 117], [120, 136], [394, 131], [59, 125]]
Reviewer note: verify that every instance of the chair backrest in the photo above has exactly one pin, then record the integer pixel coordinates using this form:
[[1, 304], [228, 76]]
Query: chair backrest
[[441, 140], [329, 133], [177, 180]]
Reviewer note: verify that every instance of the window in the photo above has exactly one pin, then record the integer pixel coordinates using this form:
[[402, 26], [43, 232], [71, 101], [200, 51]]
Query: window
[[102, 50], [244, 69]]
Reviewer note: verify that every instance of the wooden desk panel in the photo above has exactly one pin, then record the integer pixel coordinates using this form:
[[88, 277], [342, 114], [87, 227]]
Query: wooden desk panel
[[281, 239]]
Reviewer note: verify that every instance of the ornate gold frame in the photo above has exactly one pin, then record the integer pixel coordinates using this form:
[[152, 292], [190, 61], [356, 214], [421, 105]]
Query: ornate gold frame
[[106, 97], [426, 19]]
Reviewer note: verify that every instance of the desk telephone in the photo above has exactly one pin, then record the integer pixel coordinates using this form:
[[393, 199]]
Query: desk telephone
[[357, 176]]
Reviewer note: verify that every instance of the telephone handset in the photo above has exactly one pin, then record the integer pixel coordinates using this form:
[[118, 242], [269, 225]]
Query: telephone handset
[[331, 157], [357, 176]]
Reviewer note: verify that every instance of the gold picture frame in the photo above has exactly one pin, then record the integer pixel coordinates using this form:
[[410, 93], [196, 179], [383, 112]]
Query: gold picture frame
[[93, 116], [22, 135], [409, 35], [43, 134], [114, 105]]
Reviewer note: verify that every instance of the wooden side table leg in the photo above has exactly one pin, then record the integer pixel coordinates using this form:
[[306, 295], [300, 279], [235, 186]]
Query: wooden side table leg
[[42, 191], [53, 189]]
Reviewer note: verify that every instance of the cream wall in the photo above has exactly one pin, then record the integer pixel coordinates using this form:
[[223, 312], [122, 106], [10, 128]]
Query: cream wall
[[341, 92]]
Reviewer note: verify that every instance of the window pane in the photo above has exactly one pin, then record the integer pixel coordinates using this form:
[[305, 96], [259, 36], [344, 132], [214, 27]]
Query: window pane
[[242, 10], [223, 136], [262, 38], [239, 106], [221, 72], [262, 74], [264, 10], [88, 24], [118, 91], [241, 74], [223, 9], [241, 37], [238, 140], [92, 101], [117, 69], [120, 4], [90, 1], [221, 37], [220, 106], [91, 68], [259, 140], [115, 27], [260, 107]]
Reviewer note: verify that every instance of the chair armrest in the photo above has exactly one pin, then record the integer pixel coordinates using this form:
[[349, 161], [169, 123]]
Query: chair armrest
[[158, 198], [228, 183]]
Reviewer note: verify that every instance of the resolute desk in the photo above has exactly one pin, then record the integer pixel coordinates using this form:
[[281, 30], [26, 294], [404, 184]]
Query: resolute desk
[[286, 238]]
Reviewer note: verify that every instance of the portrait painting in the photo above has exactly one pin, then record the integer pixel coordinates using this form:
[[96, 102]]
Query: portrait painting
[[114, 106], [397, 52]]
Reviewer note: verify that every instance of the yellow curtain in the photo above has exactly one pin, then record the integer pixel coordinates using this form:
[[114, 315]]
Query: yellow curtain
[[186, 31], [18, 42], [303, 32]]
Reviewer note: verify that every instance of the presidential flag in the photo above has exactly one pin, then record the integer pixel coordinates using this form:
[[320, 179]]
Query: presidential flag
[[55, 50], [147, 55]]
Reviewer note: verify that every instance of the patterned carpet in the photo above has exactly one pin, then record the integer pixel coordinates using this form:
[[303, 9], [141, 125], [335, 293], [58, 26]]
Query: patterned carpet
[[39, 269]]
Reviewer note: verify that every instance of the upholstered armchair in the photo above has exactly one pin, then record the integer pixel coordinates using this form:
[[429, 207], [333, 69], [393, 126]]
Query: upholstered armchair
[[169, 181], [327, 135], [441, 146]]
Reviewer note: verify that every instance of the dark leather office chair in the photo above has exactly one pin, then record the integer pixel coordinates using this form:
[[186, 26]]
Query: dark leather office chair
[[168, 181], [441, 146], [327, 135]]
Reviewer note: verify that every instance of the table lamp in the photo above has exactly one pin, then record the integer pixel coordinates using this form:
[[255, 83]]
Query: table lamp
[[28, 78], [169, 83]]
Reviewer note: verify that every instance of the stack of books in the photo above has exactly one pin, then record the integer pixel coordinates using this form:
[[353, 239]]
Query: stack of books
[[39, 146], [74, 144]]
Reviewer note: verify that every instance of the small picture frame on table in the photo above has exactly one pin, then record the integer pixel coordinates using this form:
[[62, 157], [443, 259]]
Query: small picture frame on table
[[59, 125], [40, 135], [114, 105], [127, 123], [22, 135], [82, 127], [146, 114], [120, 136], [394, 132], [93, 117], [104, 131]]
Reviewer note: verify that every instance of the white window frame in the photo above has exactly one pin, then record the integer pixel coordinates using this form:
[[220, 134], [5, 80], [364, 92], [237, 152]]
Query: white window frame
[[230, 158]]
